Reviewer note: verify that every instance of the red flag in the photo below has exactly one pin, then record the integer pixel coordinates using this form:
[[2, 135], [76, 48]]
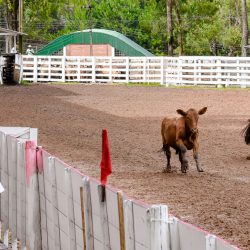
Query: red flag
[[106, 165]]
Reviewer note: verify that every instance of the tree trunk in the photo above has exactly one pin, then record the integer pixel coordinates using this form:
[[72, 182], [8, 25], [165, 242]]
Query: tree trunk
[[244, 28], [170, 27], [180, 33], [11, 10]]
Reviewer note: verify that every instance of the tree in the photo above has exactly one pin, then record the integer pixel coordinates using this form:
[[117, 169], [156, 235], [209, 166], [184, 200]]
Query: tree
[[170, 27], [190, 27], [244, 28], [11, 13], [180, 38], [10, 10]]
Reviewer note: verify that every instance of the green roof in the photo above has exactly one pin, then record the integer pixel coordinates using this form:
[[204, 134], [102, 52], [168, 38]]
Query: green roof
[[99, 36]]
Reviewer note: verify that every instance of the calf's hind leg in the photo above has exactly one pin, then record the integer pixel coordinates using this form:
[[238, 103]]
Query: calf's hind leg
[[167, 152]]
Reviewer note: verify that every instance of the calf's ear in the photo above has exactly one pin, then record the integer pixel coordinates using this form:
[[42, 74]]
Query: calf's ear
[[202, 111], [181, 112]]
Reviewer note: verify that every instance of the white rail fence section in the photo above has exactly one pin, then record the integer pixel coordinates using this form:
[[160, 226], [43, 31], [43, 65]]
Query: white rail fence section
[[60, 208], [184, 70]]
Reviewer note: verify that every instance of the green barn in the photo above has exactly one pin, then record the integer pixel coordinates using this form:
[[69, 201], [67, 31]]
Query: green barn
[[96, 42]]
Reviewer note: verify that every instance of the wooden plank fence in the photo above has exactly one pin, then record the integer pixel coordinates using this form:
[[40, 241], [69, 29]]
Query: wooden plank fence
[[57, 207], [184, 70]]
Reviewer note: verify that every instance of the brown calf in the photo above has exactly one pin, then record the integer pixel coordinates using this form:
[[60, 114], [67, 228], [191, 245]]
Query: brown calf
[[246, 134], [182, 135]]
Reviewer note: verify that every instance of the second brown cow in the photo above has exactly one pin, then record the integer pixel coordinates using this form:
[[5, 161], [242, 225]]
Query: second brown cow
[[182, 134]]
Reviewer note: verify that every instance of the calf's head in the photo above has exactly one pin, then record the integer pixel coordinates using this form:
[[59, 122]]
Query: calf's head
[[191, 118]]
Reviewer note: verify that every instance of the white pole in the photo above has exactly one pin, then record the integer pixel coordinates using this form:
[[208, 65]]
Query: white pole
[[88, 214], [159, 227], [129, 225]]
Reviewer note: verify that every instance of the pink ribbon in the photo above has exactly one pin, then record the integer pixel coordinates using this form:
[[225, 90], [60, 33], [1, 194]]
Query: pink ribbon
[[34, 160]]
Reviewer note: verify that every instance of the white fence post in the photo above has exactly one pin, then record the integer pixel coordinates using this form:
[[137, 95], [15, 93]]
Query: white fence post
[[104, 218], [238, 69], [162, 71], [49, 68], [145, 69], [129, 225], [243, 76], [179, 71], [63, 68], [159, 227], [93, 69], [110, 69], [219, 79], [127, 69], [88, 214], [35, 69], [210, 242]]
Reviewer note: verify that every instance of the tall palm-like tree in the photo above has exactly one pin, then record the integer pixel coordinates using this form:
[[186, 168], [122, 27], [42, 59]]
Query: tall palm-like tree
[[170, 26], [244, 28]]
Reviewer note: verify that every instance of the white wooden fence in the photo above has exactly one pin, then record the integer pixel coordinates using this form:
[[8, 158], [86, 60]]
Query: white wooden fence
[[60, 208], [196, 70]]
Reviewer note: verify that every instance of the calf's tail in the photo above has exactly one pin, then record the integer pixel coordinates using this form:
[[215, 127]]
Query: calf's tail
[[246, 133]]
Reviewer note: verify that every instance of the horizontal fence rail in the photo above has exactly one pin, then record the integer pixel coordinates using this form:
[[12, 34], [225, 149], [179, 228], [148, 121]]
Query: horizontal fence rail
[[50, 205], [185, 70]]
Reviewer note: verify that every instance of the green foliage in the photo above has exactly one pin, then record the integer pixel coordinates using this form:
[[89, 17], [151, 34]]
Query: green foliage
[[207, 27]]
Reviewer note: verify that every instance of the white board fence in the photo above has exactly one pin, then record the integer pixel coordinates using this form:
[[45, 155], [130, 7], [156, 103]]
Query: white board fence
[[60, 208], [184, 70]]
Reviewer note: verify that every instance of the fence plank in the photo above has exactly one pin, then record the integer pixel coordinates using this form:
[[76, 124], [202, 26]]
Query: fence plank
[[174, 233], [54, 203], [21, 193], [5, 182], [33, 220], [104, 218], [191, 237], [141, 225], [12, 170], [70, 206]]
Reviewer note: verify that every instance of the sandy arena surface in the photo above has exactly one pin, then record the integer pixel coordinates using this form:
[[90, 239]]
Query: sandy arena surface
[[70, 119]]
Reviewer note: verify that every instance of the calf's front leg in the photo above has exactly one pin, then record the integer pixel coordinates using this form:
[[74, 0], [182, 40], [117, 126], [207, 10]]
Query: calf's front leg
[[196, 157], [182, 156]]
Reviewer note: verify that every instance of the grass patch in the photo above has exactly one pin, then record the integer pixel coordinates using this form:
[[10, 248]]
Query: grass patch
[[214, 87], [205, 87], [25, 83], [63, 83], [142, 84]]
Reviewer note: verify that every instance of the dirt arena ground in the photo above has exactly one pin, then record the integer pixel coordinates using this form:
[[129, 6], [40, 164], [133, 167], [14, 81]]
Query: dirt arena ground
[[70, 119]]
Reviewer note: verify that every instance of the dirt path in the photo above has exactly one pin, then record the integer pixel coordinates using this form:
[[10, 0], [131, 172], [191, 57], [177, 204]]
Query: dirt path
[[70, 119]]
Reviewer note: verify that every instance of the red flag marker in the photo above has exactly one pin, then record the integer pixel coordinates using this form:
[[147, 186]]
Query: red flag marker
[[106, 165]]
